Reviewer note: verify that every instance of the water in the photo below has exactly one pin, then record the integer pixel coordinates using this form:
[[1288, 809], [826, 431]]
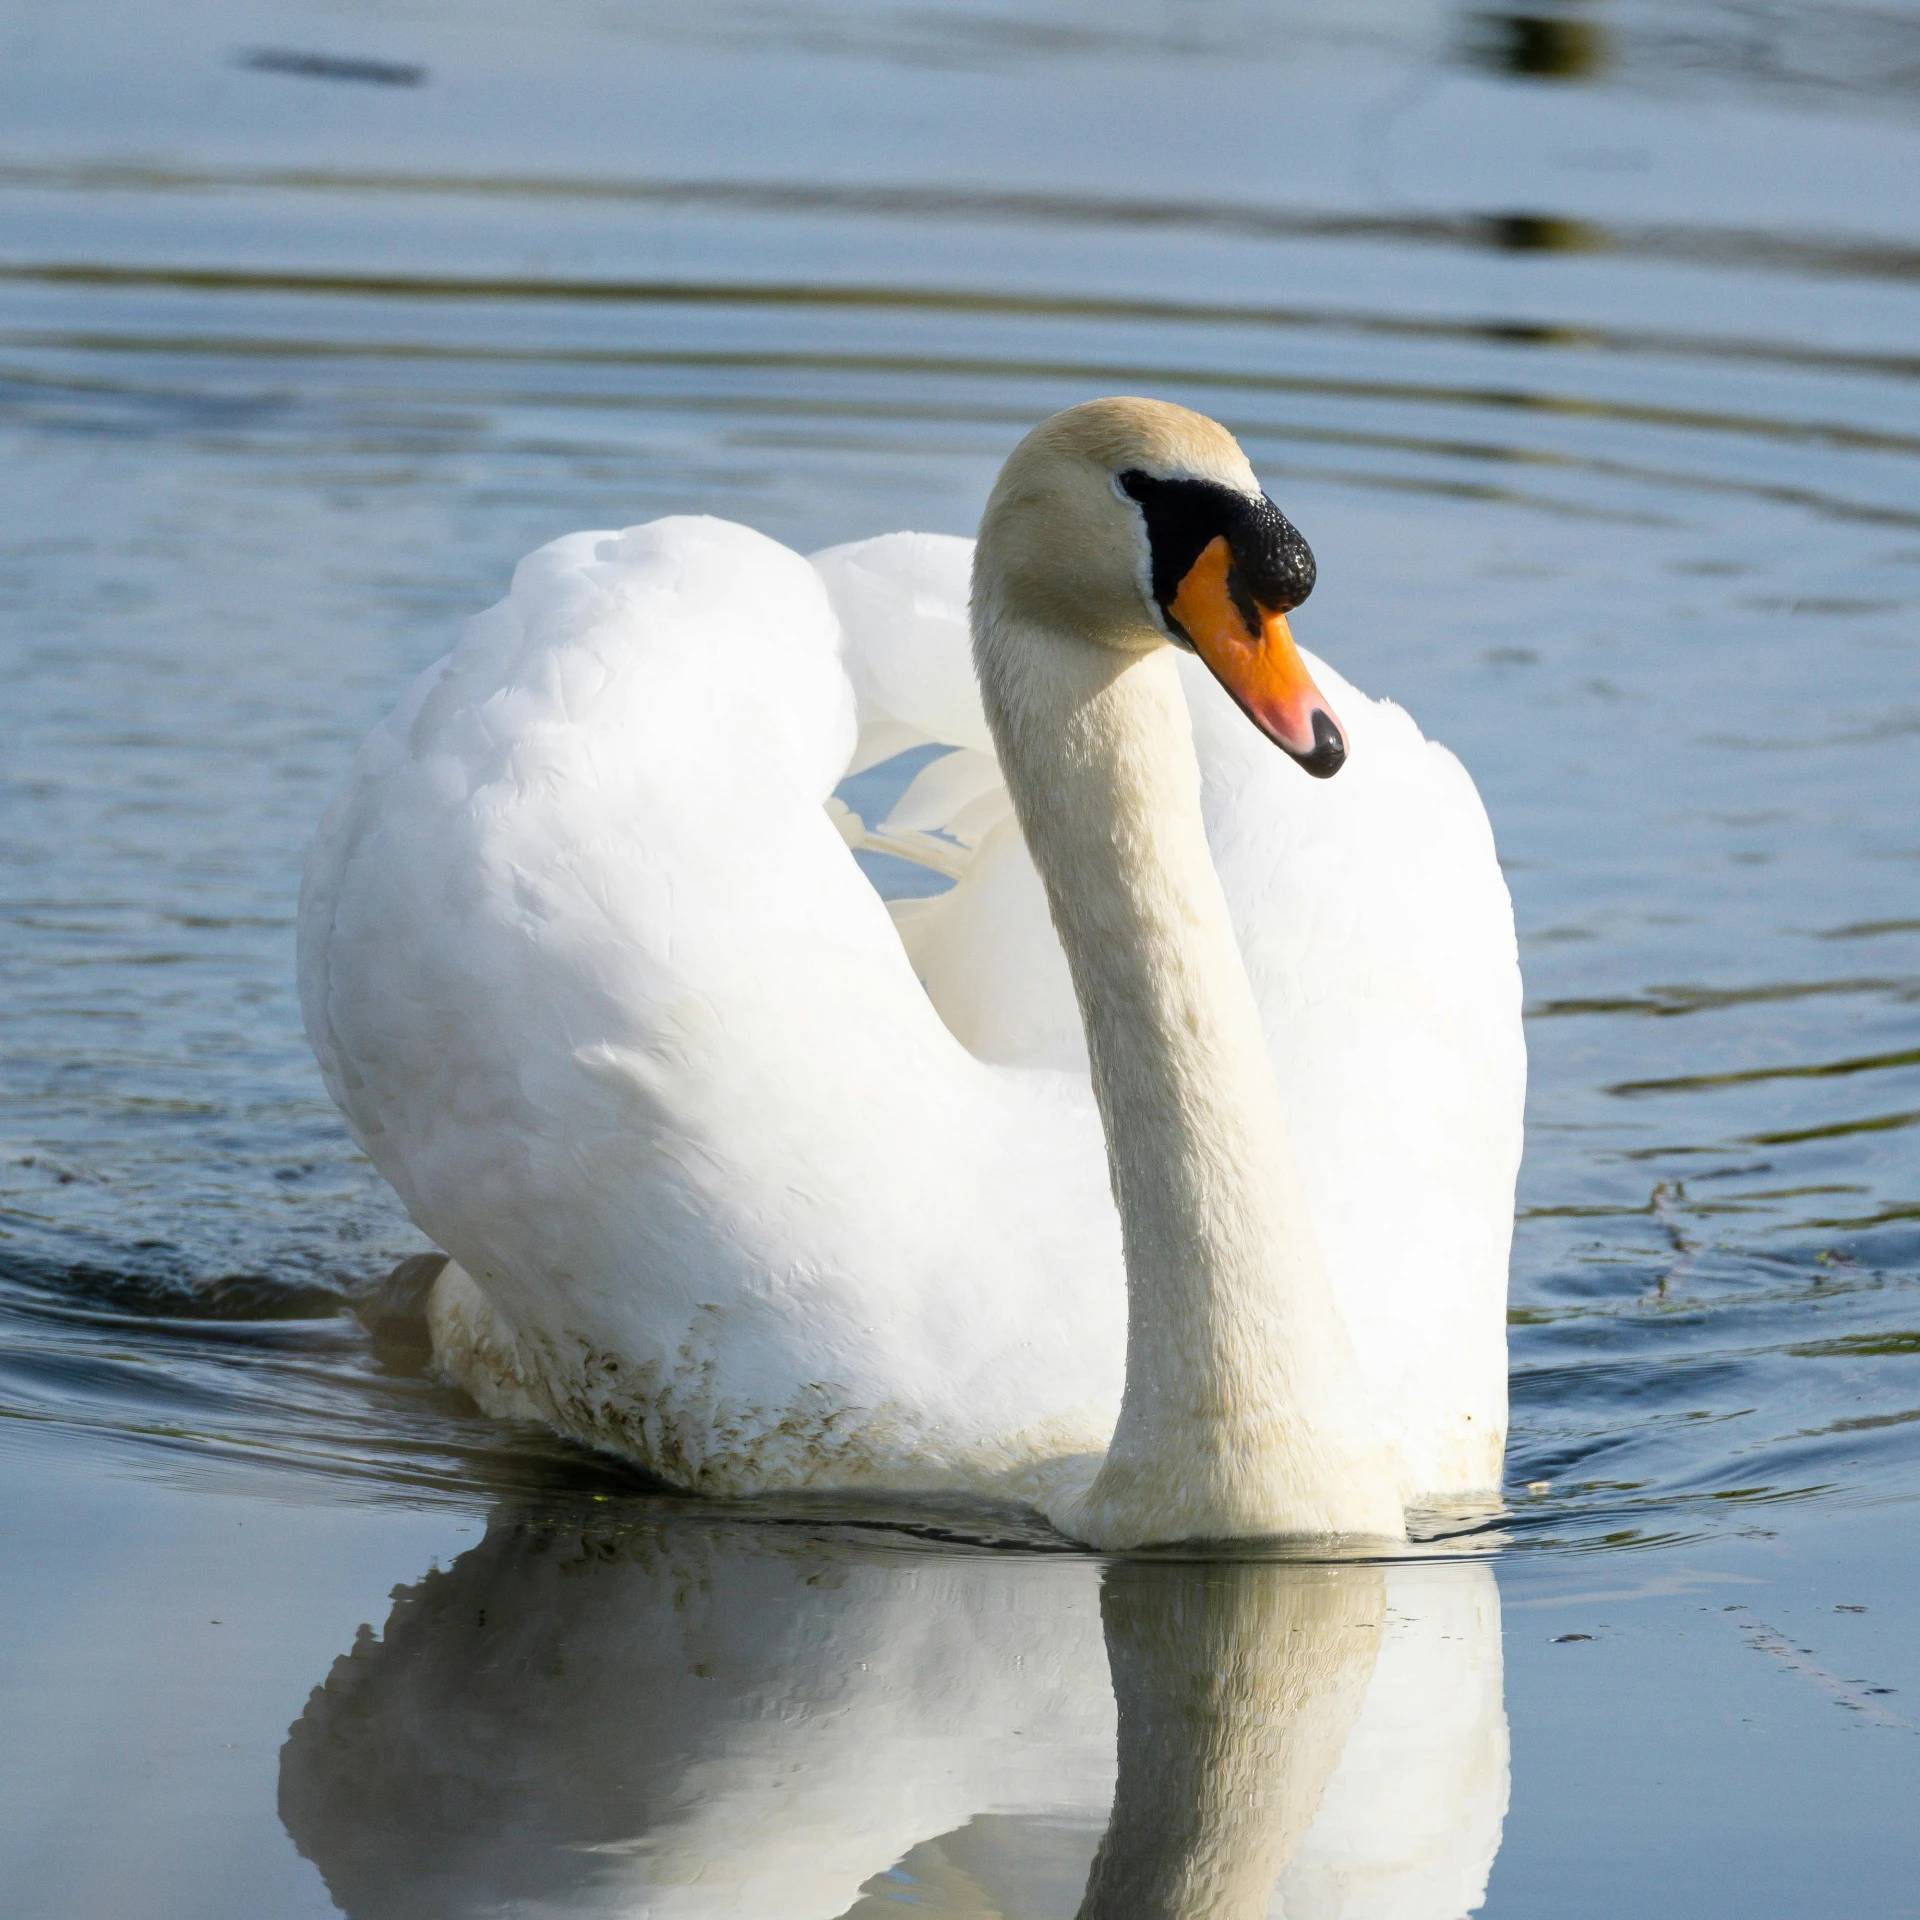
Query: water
[[1581, 343]]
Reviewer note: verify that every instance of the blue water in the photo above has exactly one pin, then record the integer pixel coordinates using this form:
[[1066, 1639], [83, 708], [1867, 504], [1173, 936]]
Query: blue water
[[1584, 344]]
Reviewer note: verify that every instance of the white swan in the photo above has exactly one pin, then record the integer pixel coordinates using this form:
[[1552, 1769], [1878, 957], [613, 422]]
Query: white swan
[[592, 973]]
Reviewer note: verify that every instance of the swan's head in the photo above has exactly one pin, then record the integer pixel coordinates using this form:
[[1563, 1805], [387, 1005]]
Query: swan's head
[[1135, 524]]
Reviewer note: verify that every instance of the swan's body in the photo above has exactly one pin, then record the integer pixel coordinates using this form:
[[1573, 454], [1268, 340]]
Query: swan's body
[[601, 989]]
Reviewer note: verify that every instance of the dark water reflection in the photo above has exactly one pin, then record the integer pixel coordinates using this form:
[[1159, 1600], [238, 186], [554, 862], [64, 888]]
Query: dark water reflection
[[1539, 46], [1580, 338]]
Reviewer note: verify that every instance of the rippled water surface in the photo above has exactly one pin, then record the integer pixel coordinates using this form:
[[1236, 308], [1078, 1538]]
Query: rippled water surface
[[1583, 343]]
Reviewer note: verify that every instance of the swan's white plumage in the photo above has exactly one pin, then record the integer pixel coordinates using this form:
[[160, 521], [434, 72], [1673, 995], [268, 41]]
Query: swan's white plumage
[[901, 599], [607, 999], [603, 993]]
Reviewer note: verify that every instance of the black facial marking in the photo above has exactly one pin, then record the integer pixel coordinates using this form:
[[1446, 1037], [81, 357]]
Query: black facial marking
[[1272, 564]]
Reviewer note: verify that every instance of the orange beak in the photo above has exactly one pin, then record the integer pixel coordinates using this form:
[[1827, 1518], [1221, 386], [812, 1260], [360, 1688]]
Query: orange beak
[[1251, 653]]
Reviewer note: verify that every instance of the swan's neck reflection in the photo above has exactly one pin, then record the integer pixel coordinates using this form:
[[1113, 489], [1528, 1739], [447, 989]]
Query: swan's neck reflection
[[1237, 1687], [691, 1721]]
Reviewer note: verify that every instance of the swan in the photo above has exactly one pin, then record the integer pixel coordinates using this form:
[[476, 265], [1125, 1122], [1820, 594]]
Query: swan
[[1158, 1175]]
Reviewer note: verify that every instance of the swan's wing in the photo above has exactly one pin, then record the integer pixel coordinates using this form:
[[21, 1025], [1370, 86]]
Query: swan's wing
[[986, 950], [900, 600], [1379, 938], [603, 993]]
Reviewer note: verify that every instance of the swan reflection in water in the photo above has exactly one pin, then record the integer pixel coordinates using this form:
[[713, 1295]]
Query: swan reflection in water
[[686, 1722]]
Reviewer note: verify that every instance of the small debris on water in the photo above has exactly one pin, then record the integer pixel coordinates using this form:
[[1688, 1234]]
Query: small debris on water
[[331, 66], [1843, 1608], [1560, 1639], [1539, 1486]]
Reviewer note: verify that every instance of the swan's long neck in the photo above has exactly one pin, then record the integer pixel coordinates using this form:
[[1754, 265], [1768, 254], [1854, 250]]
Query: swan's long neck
[[1243, 1411]]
